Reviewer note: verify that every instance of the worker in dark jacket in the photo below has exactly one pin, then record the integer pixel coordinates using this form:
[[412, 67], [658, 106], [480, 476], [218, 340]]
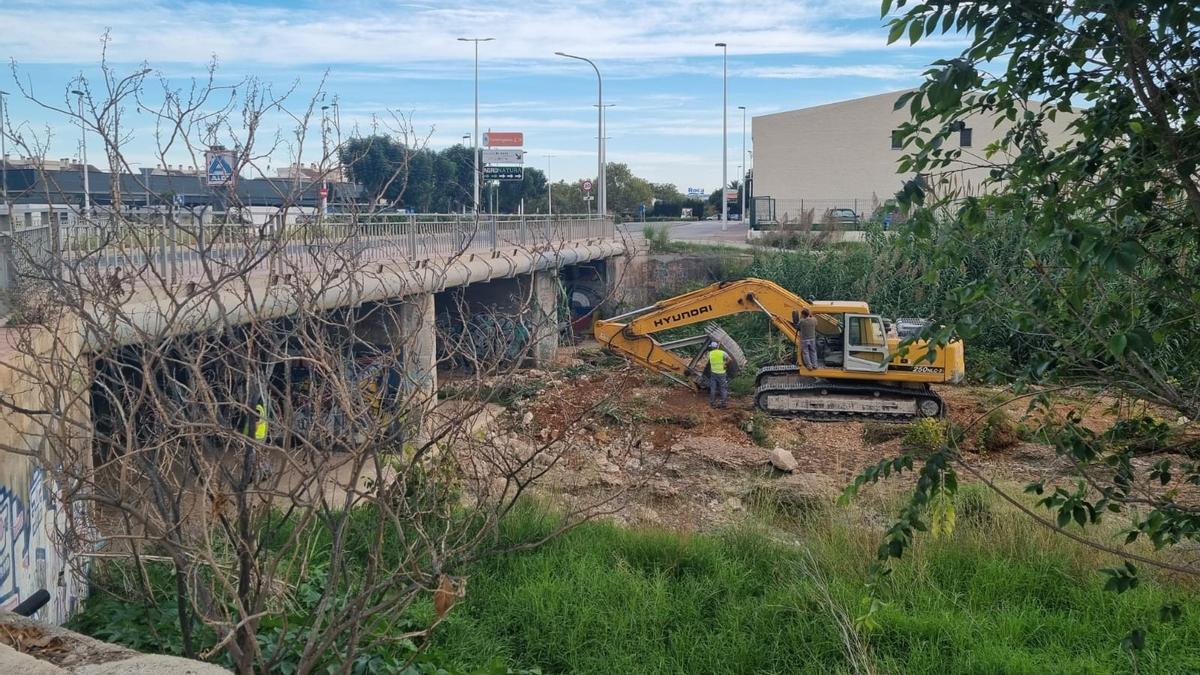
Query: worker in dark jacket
[[808, 338]]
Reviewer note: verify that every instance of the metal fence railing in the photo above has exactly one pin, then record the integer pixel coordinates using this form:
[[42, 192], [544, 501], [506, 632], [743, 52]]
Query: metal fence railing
[[177, 250], [851, 213]]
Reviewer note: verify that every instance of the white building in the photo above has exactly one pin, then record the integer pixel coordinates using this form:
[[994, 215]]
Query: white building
[[845, 155]]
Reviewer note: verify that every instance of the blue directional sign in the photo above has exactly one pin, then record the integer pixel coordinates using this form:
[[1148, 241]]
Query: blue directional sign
[[219, 172]]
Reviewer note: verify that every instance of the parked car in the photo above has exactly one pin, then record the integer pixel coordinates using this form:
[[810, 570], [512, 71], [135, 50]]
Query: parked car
[[841, 217]]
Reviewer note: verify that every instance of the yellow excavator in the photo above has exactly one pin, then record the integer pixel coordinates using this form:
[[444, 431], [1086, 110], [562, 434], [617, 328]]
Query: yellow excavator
[[862, 372]]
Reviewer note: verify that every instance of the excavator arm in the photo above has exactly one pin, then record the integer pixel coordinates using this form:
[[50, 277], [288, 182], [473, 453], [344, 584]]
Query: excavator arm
[[632, 334]]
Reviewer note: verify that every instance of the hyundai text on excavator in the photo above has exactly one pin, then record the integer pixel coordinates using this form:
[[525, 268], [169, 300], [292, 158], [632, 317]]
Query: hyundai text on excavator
[[862, 370]]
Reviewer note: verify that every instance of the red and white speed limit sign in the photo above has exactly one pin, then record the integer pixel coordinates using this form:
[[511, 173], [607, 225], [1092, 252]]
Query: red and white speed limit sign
[[587, 185]]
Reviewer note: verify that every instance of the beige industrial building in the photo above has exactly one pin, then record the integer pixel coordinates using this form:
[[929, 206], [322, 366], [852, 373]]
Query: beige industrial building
[[844, 155]]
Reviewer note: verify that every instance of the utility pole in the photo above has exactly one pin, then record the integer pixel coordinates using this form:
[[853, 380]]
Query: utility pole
[[87, 192], [724, 133], [4, 163], [745, 167], [549, 188], [324, 206], [602, 192], [476, 153]]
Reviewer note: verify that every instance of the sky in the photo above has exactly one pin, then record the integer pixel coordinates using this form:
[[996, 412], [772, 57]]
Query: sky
[[662, 73]]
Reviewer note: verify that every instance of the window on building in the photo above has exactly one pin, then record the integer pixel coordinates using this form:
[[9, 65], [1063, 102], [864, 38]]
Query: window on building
[[964, 133], [897, 139]]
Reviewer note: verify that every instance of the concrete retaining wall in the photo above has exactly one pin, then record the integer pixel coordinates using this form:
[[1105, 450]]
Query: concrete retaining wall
[[35, 522]]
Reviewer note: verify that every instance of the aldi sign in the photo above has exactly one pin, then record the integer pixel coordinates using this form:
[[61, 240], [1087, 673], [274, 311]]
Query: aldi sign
[[219, 172]]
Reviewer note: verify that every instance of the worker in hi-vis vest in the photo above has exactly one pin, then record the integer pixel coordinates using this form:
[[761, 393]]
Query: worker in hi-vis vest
[[718, 378], [259, 420]]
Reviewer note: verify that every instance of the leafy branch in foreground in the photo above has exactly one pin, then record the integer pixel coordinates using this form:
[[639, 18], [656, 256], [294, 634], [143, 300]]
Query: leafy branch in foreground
[[1100, 230]]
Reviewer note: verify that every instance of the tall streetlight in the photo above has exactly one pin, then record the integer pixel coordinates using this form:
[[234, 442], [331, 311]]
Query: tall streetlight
[[476, 145], [4, 163], [602, 193], [324, 159], [87, 193], [549, 188], [724, 132], [745, 166]]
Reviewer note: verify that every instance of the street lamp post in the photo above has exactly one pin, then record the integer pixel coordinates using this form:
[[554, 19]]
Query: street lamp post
[[549, 188], [4, 163], [324, 158], [476, 144], [602, 192], [724, 132], [745, 167], [87, 193]]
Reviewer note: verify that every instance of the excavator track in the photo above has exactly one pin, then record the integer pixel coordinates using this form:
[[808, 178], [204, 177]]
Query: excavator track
[[783, 392]]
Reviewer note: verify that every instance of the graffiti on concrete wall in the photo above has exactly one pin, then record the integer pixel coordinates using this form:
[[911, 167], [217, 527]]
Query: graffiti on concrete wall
[[32, 551]]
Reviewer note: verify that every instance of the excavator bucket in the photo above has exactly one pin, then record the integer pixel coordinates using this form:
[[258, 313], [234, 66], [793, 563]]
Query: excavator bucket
[[718, 335]]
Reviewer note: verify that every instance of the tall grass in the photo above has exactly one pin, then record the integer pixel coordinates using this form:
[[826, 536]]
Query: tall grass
[[777, 593], [996, 597]]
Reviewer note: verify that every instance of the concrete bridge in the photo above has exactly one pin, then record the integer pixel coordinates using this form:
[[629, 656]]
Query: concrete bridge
[[177, 278]]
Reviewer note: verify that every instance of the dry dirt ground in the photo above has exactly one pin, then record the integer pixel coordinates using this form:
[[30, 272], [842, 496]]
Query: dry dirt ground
[[670, 460]]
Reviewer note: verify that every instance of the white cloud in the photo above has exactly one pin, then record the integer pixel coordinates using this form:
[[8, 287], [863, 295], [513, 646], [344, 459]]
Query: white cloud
[[875, 71], [412, 36]]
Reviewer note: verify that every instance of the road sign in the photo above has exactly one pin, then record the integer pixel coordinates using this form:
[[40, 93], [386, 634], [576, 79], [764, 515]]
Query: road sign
[[503, 156], [503, 173], [731, 195], [587, 185], [219, 168], [503, 139], [324, 192]]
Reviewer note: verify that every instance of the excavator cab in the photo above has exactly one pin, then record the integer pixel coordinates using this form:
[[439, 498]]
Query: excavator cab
[[865, 345]]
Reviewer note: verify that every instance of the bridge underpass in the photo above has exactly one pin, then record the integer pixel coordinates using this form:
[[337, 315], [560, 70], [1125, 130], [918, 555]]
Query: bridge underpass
[[380, 306]]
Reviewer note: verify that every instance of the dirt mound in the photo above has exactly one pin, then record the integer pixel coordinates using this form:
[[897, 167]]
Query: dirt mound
[[678, 463]]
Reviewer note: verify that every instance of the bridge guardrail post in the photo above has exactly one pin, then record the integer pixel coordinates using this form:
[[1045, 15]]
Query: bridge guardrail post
[[412, 237], [162, 247]]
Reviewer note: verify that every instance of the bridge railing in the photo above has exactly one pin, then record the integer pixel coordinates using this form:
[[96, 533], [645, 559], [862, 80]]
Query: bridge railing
[[175, 249]]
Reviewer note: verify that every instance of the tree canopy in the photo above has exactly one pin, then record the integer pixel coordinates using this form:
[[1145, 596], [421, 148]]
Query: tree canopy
[[1088, 245]]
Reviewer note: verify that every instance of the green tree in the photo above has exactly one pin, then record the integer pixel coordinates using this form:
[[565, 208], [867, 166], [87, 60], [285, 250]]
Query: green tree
[[626, 192], [568, 198], [1105, 227], [377, 163], [666, 192]]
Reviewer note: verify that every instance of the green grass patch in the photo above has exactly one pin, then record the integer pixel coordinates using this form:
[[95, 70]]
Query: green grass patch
[[997, 597], [774, 595]]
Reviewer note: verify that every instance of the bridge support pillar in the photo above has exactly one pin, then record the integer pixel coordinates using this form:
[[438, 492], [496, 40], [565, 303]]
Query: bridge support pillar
[[545, 317], [419, 331], [407, 327]]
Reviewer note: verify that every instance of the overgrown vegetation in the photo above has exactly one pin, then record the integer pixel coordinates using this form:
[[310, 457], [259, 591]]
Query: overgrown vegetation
[[759, 428], [924, 436], [997, 433], [993, 597], [1088, 215]]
